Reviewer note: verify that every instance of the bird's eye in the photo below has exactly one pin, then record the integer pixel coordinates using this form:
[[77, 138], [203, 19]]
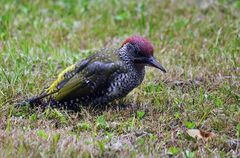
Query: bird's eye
[[130, 48], [137, 51]]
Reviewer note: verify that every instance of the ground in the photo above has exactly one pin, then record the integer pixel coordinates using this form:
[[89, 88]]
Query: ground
[[198, 42]]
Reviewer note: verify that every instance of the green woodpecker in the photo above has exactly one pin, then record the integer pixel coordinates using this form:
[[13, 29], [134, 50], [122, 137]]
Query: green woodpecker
[[103, 77]]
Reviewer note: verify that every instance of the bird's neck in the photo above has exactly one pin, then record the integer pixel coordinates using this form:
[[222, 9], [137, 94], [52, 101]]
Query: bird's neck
[[124, 55]]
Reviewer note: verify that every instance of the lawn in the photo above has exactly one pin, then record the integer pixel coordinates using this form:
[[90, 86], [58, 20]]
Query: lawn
[[197, 41]]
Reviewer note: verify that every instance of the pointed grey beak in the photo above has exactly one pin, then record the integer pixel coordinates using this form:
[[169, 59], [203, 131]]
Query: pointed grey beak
[[153, 62]]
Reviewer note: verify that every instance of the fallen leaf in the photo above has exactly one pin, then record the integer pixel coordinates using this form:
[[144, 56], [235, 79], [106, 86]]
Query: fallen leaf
[[200, 134]]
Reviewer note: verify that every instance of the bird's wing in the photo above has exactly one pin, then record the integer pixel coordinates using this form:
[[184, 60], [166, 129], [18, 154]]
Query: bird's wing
[[66, 75], [86, 80]]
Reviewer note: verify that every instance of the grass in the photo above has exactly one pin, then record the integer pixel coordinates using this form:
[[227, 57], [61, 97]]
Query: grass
[[198, 42]]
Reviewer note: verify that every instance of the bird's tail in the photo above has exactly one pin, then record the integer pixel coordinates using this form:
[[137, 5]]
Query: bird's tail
[[35, 101], [32, 102]]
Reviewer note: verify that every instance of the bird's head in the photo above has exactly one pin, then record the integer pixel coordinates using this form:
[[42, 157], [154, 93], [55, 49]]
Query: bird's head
[[140, 50]]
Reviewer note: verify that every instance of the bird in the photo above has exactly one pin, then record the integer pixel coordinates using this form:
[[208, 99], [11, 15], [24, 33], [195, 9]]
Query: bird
[[101, 78]]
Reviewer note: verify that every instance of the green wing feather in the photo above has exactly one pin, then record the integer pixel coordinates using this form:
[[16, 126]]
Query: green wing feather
[[61, 77], [76, 80], [82, 83], [66, 75]]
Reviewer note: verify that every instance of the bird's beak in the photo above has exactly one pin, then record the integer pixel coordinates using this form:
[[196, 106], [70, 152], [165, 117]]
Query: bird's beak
[[153, 62]]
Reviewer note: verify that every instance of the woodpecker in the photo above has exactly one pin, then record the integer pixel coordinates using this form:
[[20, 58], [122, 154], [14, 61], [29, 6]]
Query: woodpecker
[[103, 77]]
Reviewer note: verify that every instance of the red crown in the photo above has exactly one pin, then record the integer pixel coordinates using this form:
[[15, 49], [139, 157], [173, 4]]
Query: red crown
[[145, 46]]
